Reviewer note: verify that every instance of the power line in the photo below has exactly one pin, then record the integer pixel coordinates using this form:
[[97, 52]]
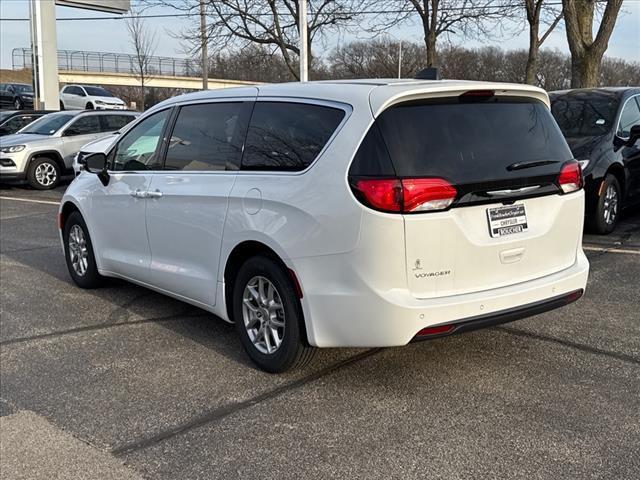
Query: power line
[[342, 12]]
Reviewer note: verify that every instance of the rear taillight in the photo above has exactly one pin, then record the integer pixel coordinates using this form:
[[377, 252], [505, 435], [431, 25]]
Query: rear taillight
[[570, 177], [407, 195]]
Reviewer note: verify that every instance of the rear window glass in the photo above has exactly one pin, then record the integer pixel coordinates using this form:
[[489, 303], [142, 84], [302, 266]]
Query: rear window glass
[[288, 136], [473, 142]]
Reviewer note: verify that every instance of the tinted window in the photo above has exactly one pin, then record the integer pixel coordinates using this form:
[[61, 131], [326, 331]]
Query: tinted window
[[49, 124], [629, 117], [20, 88], [472, 142], [111, 123], [288, 136], [84, 126], [16, 123], [138, 148], [372, 158], [585, 114], [207, 137], [97, 92]]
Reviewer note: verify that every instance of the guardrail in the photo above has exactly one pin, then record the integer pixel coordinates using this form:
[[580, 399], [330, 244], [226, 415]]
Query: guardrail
[[78, 60]]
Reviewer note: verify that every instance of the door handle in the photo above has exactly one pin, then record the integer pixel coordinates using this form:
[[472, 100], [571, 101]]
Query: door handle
[[139, 194], [155, 194]]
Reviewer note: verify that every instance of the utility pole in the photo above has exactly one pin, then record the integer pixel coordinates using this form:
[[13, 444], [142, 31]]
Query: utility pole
[[400, 60], [203, 46], [34, 55], [304, 53]]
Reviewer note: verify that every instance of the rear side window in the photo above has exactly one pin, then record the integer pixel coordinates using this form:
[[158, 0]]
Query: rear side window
[[207, 137], [473, 142], [288, 136], [111, 123], [84, 126]]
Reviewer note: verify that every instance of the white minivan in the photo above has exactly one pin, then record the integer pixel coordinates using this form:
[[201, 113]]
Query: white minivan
[[341, 213]]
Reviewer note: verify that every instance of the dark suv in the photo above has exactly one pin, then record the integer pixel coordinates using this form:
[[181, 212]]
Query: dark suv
[[602, 126]]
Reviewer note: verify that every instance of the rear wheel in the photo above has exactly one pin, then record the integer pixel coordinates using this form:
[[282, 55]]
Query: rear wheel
[[79, 254], [268, 316], [43, 173], [609, 206], [18, 104], [61, 105]]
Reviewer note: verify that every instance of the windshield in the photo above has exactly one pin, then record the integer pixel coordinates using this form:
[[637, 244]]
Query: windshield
[[23, 88], [48, 125], [584, 114], [97, 92], [6, 114]]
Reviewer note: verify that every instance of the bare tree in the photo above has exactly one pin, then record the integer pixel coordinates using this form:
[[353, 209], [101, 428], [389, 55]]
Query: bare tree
[[587, 52], [144, 43], [442, 17], [538, 11]]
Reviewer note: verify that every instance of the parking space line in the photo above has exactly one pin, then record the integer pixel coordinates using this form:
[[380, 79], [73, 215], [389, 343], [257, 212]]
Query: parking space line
[[30, 200], [567, 343], [101, 326], [611, 250], [219, 413]]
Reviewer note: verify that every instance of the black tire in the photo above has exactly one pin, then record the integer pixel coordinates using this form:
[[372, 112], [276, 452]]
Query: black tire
[[607, 211], [18, 104], [294, 351], [90, 278], [36, 178], [61, 105], [89, 106]]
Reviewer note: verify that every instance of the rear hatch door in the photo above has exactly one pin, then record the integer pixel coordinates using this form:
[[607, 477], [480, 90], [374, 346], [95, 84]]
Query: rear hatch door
[[510, 222]]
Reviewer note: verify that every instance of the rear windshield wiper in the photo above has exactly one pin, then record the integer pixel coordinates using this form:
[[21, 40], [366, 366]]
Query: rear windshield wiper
[[535, 163]]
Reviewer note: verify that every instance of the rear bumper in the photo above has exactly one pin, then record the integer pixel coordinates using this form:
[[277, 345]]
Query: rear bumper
[[498, 318], [343, 311]]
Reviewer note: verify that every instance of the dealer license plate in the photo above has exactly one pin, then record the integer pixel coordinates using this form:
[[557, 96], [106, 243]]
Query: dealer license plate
[[507, 220]]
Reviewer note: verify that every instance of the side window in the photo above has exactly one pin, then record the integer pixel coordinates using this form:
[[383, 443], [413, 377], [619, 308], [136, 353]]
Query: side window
[[111, 123], [16, 123], [629, 117], [84, 126], [137, 150], [207, 137], [288, 136]]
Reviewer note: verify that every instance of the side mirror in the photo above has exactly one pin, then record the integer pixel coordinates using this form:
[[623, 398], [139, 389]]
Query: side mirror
[[97, 163], [634, 135]]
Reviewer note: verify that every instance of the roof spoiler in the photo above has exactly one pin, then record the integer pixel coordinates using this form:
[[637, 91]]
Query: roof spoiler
[[430, 73]]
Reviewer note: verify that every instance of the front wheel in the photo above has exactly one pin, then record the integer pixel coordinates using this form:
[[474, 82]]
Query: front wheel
[[268, 316], [43, 174], [18, 104], [609, 206], [61, 105], [78, 251], [89, 106]]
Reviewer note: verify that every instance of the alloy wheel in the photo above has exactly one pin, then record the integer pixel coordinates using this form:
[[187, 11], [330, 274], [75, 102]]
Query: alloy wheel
[[46, 174], [78, 251], [263, 314], [610, 207]]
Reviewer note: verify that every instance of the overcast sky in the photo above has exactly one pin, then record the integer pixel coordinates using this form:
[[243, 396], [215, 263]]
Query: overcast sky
[[111, 35]]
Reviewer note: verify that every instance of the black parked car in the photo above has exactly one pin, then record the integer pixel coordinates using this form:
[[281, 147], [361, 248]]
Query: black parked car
[[13, 120], [16, 95], [602, 127]]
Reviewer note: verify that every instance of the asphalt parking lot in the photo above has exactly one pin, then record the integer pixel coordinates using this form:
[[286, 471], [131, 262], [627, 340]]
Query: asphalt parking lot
[[122, 382]]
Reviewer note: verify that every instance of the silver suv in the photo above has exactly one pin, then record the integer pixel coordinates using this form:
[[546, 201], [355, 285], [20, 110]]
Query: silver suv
[[44, 150]]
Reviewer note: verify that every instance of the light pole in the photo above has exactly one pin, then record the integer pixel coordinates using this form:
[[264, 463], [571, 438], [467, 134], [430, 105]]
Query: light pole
[[203, 46], [304, 54]]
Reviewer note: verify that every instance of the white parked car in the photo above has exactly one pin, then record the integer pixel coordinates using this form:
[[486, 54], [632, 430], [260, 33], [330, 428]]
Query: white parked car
[[338, 214], [44, 150], [84, 97]]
